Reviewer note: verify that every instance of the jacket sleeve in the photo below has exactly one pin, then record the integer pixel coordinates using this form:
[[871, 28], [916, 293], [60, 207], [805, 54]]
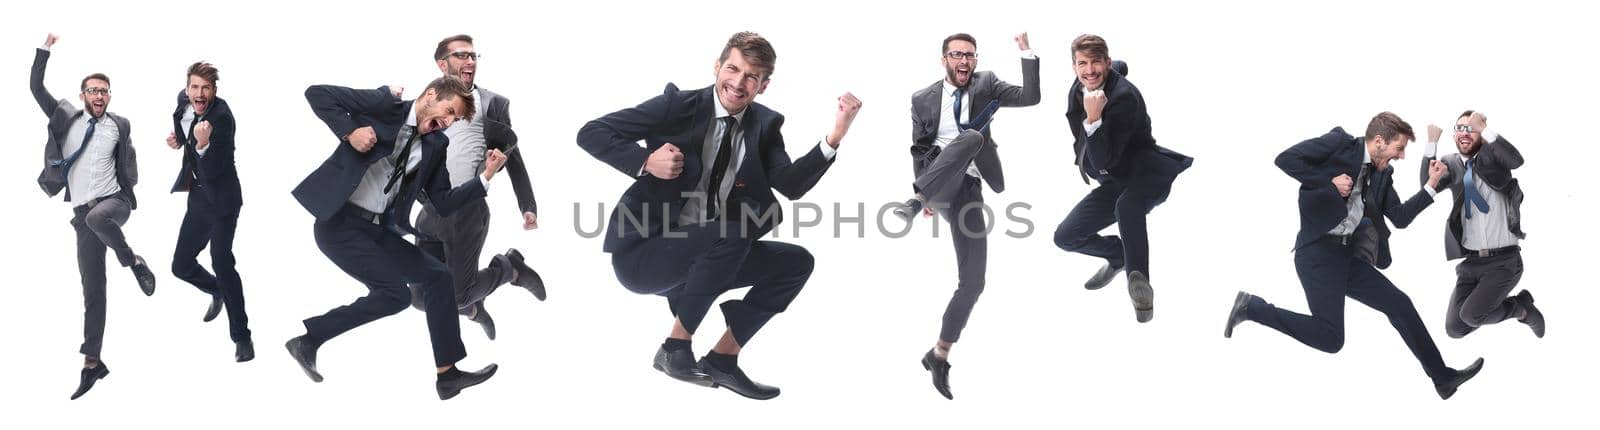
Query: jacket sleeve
[[1497, 160], [1026, 95], [47, 103], [219, 154], [614, 138], [337, 106], [1123, 120], [1300, 161], [794, 178]]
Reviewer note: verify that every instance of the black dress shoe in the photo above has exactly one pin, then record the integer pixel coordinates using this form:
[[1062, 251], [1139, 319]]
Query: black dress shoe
[[479, 314], [452, 381], [1143, 296], [941, 373], [243, 351], [305, 354], [213, 310], [1237, 314], [680, 365], [147, 279], [526, 277], [1448, 387], [88, 377], [909, 210], [1533, 318], [1103, 277], [735, 380]]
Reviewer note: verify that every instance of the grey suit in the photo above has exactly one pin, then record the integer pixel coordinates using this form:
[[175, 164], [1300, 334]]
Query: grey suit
[[458, 240], [1485, 277], [941, 177], [98, 224]]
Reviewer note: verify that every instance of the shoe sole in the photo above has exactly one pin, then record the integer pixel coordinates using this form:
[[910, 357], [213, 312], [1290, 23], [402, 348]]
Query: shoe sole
[[1143, 313]]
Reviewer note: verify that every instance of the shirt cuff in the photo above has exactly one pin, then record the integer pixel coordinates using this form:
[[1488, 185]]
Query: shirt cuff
[[1090, 127], [1431, 192], [1028, 55], [1489, 136], [1432, 150], [828, 151], [484, 178]]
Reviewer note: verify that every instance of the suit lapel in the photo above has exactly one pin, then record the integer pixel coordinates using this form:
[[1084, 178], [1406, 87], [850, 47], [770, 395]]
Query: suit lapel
[[751, 161], [928, 106]]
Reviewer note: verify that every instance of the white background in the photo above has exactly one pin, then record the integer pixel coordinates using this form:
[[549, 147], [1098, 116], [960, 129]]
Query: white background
[[1230, 84]]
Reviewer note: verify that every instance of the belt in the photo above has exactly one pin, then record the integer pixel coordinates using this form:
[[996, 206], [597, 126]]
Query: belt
[[1341, 239], [353, 211], [1486, 253]]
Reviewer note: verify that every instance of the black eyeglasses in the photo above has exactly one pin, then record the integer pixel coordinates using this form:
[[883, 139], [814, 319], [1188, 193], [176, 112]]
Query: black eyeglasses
[[957, 55], [464, 55], [96, 91], [1463, 128]]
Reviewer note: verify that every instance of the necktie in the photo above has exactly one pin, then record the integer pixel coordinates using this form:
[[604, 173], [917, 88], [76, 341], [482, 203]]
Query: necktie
[[958, 96], [719, 167], [194, 164], [1470, 186], [88, 135], [400, 160]]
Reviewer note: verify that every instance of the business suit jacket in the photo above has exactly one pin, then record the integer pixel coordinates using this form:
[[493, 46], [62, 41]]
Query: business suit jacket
[[215, 170], [1123, 147], [926, 108], [328, 188], [497, 134], [1316, 162], [52, 179], [1495, 161], [681, 117]]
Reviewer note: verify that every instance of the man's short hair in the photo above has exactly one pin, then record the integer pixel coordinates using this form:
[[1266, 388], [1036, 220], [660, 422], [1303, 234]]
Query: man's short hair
[[1091, 45], [440, 52], [755, 49], [448, 87], [1390, 126]]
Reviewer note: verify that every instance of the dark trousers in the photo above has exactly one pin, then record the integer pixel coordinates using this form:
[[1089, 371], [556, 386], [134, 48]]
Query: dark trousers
[[691, 271], [457, 241], [1481, 297], [98, 226], [385, 263], [206, 224], [1112, 202], [1329, 272]]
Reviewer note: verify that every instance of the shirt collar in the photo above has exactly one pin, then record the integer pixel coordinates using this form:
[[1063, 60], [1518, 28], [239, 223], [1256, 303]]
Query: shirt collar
[[411, 118], [723, 112]]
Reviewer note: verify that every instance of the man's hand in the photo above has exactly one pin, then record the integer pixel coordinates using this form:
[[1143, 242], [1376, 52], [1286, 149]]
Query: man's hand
[[1022, 41], [530, 221], [1433, 133], [172, 140], [1094, 103], [49, 40], [927, 212], [397, 90], [849, 106], [1436, 170], [362, 139], [1478, 121], [202, 135], [1343, 183], [665, 163], [492, 161]]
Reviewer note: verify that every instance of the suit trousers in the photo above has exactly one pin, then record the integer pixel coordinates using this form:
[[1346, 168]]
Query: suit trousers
[[944, 178], [1112, 202], [970, 233], [98, 226], [207, 224], [1481, 296], [692, 265], [458, 241], [385, 263], [1329, 272]]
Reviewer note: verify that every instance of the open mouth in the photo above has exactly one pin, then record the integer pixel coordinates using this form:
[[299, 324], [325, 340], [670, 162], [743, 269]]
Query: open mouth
[[736, 93], [199, 104]]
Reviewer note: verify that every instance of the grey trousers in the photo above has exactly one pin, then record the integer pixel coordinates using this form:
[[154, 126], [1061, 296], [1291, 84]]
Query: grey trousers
[[1482, 293], [958, 197], [457, 241], [99, 226]]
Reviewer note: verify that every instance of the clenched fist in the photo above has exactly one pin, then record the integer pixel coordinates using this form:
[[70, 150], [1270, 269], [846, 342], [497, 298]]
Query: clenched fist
[[1433, 133], [1094, 103], [362, 139], [849, 106], [172, 140], [492, 162], [665, 163], [1436, 170], [1022, 41], [202, 135], [1343, 183]]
